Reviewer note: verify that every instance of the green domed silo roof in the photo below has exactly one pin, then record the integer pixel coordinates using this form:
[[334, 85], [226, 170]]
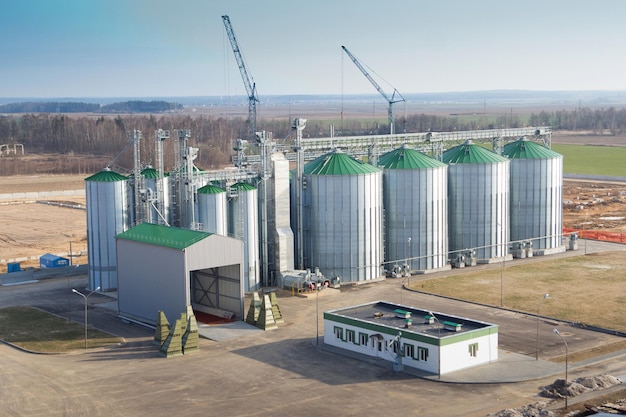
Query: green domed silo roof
[[149, 172], [338, 163], [243, 186], [106, 175], [525, 149], [469, 153], [406, 158], [210, 189]]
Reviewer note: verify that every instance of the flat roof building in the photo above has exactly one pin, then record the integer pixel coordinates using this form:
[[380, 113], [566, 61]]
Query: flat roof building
[[429, 341]]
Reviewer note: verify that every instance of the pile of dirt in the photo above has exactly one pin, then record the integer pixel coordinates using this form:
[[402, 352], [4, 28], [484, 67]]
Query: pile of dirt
[[560, 389], [538, 409]]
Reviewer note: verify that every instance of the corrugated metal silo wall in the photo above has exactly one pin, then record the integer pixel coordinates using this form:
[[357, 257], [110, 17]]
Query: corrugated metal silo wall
[[243, 225], [536, 201], [212, 213], [416, 207], [478, 208], [343, 225], [107, 216]]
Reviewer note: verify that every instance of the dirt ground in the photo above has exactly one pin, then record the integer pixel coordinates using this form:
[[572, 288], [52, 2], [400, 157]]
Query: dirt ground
[[30, 229]]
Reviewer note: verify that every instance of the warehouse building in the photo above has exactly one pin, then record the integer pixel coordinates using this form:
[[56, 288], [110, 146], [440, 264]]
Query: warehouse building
[[166, 269], [428, 341]]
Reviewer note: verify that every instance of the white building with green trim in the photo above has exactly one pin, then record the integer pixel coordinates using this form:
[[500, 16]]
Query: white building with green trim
[[429, 341]]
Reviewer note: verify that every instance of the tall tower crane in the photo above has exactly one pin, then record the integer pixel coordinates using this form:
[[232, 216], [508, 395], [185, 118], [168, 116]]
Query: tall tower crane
[[247, 80], [391, 100]]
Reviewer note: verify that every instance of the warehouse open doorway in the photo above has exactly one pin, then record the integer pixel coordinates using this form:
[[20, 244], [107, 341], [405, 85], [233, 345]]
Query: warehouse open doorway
[[216, 294]]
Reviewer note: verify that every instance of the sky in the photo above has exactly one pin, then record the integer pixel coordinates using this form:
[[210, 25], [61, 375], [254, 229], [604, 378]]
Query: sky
[[173, 48]]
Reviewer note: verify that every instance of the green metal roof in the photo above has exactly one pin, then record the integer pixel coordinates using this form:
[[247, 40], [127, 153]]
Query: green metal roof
[[171, 237], [106, 175], [242, 186], [338, 163], [210, 189], [469, 153], [525, 149], [406, 158], [149, 172]]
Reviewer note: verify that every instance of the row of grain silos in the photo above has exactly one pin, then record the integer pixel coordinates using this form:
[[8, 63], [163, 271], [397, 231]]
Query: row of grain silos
[[110, 211], [428, 213]]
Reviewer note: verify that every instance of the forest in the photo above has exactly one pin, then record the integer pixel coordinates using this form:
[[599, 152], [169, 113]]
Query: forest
[[107, 136], [134, 106]]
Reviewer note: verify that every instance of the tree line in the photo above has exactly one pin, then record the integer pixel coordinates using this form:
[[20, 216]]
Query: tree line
[[108, 136], [598, 121], [134, 106]]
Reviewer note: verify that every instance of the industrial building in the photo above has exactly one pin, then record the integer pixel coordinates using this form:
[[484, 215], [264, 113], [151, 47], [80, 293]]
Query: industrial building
[[428, 341], [411, 208], [166, 269]]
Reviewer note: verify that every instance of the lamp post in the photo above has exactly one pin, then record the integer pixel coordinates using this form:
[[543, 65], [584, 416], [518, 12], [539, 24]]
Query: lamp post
[[317, 313], [430, 313], [546, 295], [556, 331], [86, 297], [410, 262]]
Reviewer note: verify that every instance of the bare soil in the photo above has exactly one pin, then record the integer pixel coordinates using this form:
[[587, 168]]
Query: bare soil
[[31, 229]]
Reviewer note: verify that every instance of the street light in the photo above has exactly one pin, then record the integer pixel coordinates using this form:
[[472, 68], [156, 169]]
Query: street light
[[86, 297], [556, 331], [430, 313], [546, 295], [410, 260]]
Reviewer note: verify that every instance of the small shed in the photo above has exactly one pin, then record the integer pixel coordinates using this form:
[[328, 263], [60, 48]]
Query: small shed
[[52, 261], [163, 268]]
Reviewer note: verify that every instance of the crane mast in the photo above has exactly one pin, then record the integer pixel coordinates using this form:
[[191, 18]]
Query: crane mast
[[247, 80], [391, 100]]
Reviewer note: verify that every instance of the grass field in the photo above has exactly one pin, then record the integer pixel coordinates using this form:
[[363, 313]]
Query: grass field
[[593, 160], [588, 289], [38, 331]]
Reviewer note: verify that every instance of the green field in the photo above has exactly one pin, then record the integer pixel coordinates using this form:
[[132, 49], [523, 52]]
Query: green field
[[593, 160]]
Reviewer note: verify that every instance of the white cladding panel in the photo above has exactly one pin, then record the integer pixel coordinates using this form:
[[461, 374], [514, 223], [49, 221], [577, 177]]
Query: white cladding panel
[[147, 287], [416, 207], [478, 208], [107, 216], [343, 225], [536, 201]]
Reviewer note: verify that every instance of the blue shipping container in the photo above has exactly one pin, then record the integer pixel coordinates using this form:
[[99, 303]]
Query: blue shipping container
[[13, 267], [52, 261]]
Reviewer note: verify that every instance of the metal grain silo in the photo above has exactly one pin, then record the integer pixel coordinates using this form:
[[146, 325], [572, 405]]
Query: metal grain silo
[[343, 218], [415, 198], [478, 202], [212, 210], [108, 208], [536, 195], [243, 225], [157, 214]]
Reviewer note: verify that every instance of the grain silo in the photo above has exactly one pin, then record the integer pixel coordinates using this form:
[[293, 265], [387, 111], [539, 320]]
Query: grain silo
[[536, 196], [157, 214], [108, 214], [343, 218], [415, 198], [478, 202], [243, 225], [212, 211]]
